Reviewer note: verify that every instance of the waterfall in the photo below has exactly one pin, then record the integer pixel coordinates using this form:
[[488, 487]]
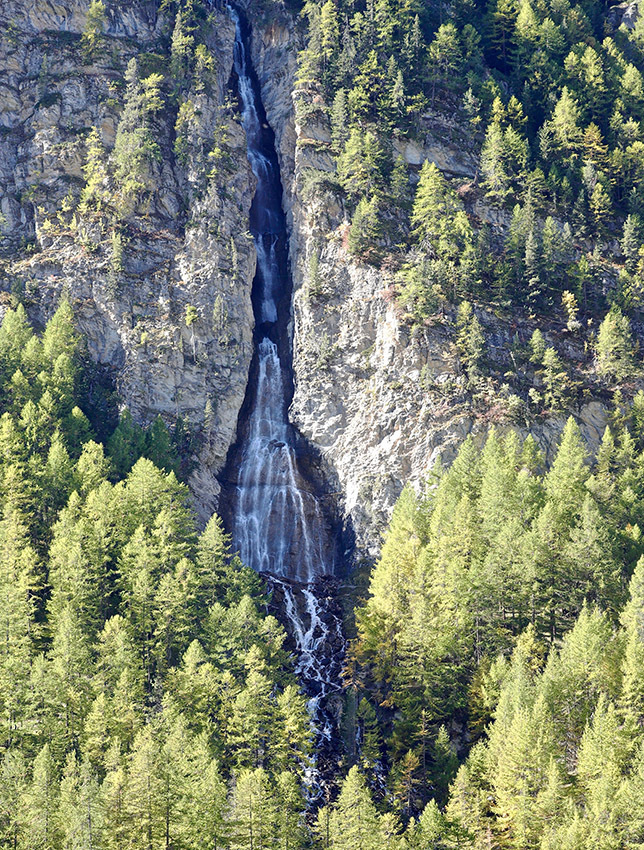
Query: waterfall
[[276, 517]]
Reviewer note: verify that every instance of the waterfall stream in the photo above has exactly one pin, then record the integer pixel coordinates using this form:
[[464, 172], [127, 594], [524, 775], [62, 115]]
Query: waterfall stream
[[277, 520]]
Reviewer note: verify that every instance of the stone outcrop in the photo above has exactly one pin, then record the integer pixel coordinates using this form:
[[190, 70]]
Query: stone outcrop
[[174, 320]]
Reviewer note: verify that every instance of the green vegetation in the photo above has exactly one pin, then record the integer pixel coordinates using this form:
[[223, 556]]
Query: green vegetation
[[145, 698], [554, 98], [506, 607], [94, 25], [494, 690]]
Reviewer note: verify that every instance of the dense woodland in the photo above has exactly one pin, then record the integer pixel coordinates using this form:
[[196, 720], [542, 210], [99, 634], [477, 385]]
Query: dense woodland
[[147, 700], [494, 687], [138, 671]]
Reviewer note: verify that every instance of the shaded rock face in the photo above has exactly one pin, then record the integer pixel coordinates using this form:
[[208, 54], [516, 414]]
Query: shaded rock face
[[185, 253]]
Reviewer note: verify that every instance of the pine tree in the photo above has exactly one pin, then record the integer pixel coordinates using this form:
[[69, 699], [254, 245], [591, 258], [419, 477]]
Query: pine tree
[[293, 731], [290, 832], [369, 735], [555, 380], [339, 121], [614, 346], [632, 238], [586, 665], [126, 445], [203, 824], [365, 227], [405, 779], [92, 467], [444, 54], [143, 802], [181, 49], [74, 580], [69, 677], [255, 811], [79, 812], [632, 698], [445, 763], [379, 620], [399, 183], [114, 792], [356, 173], [95, 174], [565, 126], [60, 336], [432, 829], [600, 762], [329, 38], [521, 773], [94, 25], [253, 715], [15, 334], [630, 803], [493, 165], [592, 571], [13, 785], [41, 803], [220, 574], [353, 823], [470, 339], [18, 630], [504, 16], [532, 266], [565, 481], [139, 567], [435, 207]]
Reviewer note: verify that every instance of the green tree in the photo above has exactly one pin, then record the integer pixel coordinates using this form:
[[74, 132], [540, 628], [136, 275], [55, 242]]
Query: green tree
[[470, 339], [255, 811], [15, 334], [493, 165], [41, 803], [365, 227], [435, 209], [18, 631], [203, 823], [632, 696], [13, 786], [143, 802], [94, 26], [68, 677], [614, 346], [95, 173], [352, 824]]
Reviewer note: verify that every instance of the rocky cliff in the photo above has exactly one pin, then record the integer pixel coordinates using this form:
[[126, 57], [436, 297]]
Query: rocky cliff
[[164, 304], [163, 295]]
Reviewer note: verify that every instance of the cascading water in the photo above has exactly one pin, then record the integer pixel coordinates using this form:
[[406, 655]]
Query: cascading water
[[276, 517]]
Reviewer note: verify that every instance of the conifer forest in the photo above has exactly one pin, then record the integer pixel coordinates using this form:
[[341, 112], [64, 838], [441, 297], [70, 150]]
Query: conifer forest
[[321, 425]]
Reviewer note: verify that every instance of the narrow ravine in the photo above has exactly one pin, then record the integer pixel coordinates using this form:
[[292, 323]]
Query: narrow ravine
[[276, 516]]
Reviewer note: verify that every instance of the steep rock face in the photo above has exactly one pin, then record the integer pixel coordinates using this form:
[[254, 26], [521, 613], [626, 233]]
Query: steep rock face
[[379, 399], [173, 316]]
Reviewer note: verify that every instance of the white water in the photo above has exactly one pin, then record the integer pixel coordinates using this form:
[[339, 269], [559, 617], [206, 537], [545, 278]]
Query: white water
[[278, 525]]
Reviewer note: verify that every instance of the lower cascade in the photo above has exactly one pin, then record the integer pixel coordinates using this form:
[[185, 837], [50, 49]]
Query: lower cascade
[[276, 516]]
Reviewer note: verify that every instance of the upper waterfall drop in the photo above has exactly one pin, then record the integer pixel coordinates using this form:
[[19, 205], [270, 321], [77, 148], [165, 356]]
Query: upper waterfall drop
[[277, 520]]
